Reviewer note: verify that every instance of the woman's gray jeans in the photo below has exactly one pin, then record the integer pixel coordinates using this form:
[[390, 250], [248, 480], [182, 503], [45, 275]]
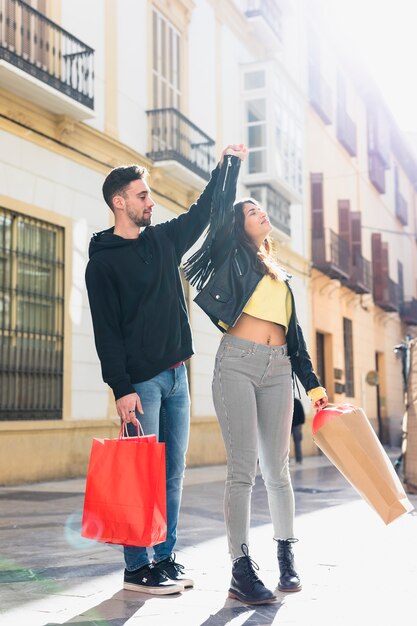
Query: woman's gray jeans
[[253, 398]]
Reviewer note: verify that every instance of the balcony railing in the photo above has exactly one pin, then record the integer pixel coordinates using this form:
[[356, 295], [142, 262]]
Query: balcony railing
[[376, 172], [386, 294], [360, 279], [346, 131], [408, 312], [331, 255], [320, 95], [174, 137], [39, 47], [401, 208], [270, 13]]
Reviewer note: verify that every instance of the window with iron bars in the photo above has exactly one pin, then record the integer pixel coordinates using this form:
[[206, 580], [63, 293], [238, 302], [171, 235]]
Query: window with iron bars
[[31, 318]]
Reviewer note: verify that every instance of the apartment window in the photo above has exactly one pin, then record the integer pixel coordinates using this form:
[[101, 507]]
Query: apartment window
[[288, 133], [348, 348], [274, 120], [31, 318], [254, 80], [256, 134], [165, 63]]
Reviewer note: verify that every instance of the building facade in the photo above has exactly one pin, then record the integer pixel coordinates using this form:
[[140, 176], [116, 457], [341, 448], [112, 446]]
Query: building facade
[[167, 84], [362, 211]]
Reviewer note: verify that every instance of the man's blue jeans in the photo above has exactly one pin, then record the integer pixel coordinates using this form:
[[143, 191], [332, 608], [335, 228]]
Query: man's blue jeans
[[166, 407]]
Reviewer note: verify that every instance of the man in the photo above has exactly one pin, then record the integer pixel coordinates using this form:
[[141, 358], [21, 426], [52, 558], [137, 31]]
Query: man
[[143, 337]]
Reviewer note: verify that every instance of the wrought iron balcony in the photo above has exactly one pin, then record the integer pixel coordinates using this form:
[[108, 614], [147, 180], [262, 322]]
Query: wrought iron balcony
[[360, 279], [43, 50], [346, 131], [408, 312], [401, 208], [268, 14], [174, 138], [331, 255], [320, 95], [277, 207], [385, 293], [376, 172]]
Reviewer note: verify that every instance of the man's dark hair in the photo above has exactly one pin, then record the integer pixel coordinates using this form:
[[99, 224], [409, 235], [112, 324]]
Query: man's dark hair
[[119, 178]]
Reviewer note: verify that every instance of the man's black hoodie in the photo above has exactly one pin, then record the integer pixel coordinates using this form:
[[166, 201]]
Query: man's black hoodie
[[136, 297]]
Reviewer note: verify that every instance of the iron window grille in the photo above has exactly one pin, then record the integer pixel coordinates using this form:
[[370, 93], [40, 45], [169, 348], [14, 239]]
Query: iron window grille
[[31, 318]]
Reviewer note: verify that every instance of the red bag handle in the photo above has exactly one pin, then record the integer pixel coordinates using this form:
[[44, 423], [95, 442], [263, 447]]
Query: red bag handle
[[123, 429]]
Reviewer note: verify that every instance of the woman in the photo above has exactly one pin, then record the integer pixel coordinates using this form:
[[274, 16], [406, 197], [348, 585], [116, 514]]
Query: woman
[[248, 297]]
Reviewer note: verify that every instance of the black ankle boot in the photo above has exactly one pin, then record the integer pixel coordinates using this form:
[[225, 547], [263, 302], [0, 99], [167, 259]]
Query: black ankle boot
[[245, 585], [289, 579]]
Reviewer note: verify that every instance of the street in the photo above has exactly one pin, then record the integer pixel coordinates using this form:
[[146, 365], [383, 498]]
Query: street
[[353, 568]]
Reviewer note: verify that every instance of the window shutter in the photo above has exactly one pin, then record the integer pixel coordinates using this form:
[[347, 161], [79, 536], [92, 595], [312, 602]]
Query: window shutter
[[356, 230], [345, 226], [400, 281], [377, 267], [317, 206]]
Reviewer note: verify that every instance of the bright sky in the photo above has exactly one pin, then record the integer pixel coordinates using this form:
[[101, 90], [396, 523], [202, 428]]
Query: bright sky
[[384, 32]]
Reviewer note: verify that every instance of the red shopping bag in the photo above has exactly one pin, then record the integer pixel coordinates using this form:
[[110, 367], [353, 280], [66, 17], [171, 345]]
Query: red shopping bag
[[125, 496]]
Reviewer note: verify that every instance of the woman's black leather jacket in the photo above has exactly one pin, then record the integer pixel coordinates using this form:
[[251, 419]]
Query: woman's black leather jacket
[[235, 278]]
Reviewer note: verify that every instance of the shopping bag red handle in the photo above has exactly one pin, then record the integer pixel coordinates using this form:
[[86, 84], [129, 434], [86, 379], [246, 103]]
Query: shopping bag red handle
[[123, 430]]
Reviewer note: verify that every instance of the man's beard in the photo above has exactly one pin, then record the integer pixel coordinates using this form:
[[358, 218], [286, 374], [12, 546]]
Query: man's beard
[[138, 221]]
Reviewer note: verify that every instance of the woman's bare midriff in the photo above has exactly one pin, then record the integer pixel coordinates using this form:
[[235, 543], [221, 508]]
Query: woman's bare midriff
[[259, 331]]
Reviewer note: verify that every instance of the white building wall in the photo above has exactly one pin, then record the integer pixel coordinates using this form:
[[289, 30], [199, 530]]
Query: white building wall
[[57, 184], [134, 62], [85, 20], [48, 181], [202, 93]]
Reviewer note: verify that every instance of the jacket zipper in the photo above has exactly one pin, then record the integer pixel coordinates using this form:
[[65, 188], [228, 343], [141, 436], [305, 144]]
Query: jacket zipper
[[229, 164], [237, 264]]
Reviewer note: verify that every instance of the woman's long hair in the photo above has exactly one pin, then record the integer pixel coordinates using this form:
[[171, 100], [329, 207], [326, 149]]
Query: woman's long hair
[[263, 259]]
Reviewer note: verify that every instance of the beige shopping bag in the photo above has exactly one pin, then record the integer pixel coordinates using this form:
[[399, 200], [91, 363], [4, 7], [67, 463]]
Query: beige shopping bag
[[348, 440]]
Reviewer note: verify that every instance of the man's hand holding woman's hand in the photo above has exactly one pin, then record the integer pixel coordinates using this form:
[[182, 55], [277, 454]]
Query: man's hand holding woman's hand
[[235, 149]]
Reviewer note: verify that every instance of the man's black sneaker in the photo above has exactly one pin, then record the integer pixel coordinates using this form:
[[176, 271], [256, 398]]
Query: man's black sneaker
[[148, 579], [174, 571]]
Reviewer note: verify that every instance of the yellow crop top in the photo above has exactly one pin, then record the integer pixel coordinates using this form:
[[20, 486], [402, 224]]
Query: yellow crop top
[[271, 301]]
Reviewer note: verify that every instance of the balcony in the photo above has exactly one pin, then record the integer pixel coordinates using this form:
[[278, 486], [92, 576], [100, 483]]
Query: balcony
[[360, 279], [276, 205], [408, 312], [266, 17], [179, 146], [346, 131], [376, 172], [320, 95], [401, 208], [331, 255], [43, 63], [385, 293]]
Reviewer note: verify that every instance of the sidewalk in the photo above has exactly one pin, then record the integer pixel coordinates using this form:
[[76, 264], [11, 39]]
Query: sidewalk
[[354, 569]]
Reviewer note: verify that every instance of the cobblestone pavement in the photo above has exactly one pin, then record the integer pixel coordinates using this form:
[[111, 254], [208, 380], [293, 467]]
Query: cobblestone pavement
[[355, 570]]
